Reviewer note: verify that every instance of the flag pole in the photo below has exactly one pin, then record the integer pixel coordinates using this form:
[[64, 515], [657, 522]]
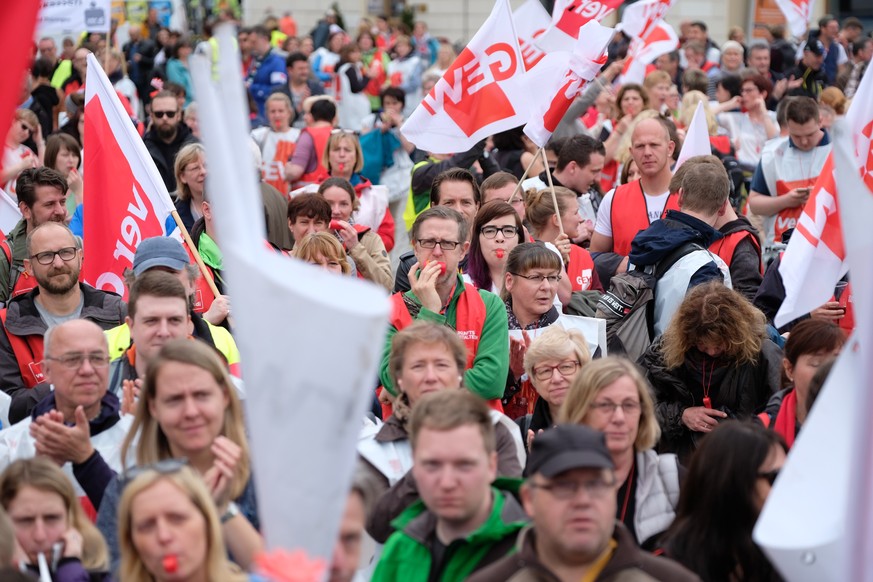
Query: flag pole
[[196, 254], [533, 160], [552, 189]]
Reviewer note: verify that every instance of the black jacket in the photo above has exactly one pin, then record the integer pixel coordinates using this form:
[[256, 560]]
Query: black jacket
[[164, 154], [740, 391], [745, 265], [102, 307]]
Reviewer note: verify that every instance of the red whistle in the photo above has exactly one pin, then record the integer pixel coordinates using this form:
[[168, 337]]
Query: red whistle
[[170, 563], [500, 253], [335, 225], [707, 402], [342, 166], [441, 264]]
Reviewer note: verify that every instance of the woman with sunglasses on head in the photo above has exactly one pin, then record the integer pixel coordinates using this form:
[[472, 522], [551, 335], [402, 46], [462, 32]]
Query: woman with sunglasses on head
[[496, 231], [17, 157], [344, 159], [723, 492], [188, 410], [362, 244], [611, 395], [48, 520], [169, 530]]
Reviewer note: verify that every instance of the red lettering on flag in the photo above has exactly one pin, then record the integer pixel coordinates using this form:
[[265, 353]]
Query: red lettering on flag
[[867, 166], [578, 12]]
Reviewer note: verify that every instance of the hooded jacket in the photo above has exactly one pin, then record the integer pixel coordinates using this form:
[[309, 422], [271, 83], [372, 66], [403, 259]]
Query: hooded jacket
[[408, 556], [164, 154]]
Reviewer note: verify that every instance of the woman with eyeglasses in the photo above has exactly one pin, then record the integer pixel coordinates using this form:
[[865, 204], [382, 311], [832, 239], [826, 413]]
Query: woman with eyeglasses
[[713, 362], [344, 159], [551, 363], [723, 492], [362, 244], [496, 231], [188, 410], [540, 214], [425, 358], [50, 526], [17, 157], [611, 395], [169, 530]]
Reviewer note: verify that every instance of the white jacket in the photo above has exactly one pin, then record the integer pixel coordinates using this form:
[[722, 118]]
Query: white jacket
[[657, 493], [673, 285]]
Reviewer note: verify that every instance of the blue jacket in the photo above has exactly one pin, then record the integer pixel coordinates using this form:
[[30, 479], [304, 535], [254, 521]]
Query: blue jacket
[[264, 79], [665, 235]]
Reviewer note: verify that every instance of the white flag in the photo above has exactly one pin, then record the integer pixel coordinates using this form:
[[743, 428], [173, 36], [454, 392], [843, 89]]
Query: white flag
[[696, 138], [481, 94], [531, 20], [9, 213], [310, 341], [660, 40], [556, 81], [798, 14], [568, 18]]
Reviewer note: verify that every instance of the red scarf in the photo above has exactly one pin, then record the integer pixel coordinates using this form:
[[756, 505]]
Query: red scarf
[[787, 418]]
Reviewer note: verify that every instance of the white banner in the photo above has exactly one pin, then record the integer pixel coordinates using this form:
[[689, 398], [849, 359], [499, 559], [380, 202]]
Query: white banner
[[696, 138], [531, 20], [73, 16]]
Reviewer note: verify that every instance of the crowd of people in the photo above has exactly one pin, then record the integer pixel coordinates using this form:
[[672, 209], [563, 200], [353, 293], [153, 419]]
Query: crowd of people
[[507, 439]]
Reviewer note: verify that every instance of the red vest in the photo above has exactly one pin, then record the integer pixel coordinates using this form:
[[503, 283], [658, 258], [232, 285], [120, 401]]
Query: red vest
[[28, 352], [629, 215], [725, 246], [24, 282], [580, 268], [469, 320], [320, 135], [609, 176]]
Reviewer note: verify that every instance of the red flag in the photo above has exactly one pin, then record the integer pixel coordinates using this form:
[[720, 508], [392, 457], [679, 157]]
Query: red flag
[[17, 23], [125, 199]]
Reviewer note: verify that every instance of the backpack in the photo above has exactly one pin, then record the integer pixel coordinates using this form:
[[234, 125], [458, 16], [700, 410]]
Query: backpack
[[628, 306]]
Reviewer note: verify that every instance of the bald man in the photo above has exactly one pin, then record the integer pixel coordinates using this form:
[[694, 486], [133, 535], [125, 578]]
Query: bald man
[[77, 425]]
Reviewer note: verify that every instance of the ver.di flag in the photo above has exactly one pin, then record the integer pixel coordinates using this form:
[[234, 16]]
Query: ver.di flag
[[481, 94], [661, 40], [531, 20], [568, 17], [125, 200], [560, 77], [797, 13]]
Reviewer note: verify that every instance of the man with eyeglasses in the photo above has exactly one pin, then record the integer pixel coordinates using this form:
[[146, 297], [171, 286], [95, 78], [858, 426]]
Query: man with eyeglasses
[[166, 136], [439, 294], [78, 422], [570, 496], [55, 261]]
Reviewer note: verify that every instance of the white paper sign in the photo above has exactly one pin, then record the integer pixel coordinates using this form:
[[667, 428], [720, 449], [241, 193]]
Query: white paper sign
[[592, 328], [74, 16]]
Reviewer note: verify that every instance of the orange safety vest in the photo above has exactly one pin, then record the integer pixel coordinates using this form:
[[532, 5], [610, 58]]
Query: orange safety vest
[[580, 268], [629, 215], [320, 135], [28, 352], [609, 176], [727, 245], [469, 321]]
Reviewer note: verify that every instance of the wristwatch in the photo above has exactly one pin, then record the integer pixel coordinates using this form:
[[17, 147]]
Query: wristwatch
[[231, 512]]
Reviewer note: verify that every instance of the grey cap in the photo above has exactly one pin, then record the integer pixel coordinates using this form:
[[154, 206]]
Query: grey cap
[[159, 251], [566, 447]]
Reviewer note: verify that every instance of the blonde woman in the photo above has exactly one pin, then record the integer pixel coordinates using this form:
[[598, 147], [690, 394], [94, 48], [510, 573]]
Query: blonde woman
[[188, 545], [190, 171], [611, 395], [46, 514], [324, 250], [187, 385]]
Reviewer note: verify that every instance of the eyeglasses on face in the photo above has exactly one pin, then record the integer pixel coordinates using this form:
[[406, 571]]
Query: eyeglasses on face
[[608, 408], [538, 278], [564, 369], [567, 489], [508, 231], [75, 360], [446, 245], [27, 128], [48, 257], [161, 114]]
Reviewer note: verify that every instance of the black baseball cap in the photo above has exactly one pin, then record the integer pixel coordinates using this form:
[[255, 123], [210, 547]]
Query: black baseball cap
[[566, 447], [814, 46]]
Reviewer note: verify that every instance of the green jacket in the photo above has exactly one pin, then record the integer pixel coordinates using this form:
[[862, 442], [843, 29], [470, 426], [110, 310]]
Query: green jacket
[[487, 377], [16, 239], [407, 555]]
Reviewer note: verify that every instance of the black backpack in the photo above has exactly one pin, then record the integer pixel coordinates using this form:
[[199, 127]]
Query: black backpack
[[628, 306]]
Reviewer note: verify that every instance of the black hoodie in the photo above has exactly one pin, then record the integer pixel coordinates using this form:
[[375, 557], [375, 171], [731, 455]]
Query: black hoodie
[[745, 265]]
